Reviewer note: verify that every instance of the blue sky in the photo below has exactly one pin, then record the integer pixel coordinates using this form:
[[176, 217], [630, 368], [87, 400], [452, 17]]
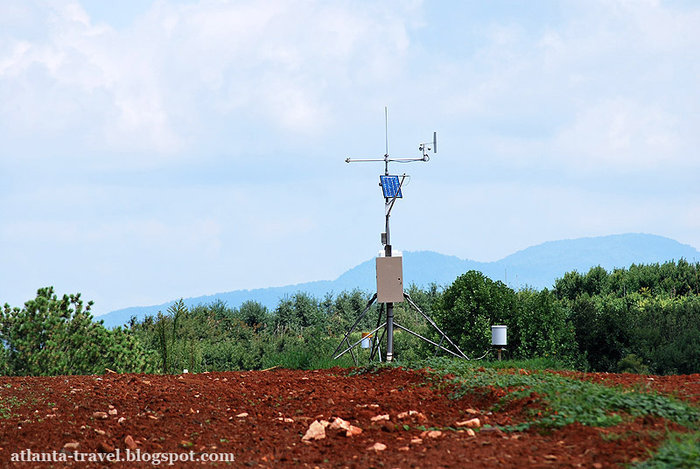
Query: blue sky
[[157, 150]]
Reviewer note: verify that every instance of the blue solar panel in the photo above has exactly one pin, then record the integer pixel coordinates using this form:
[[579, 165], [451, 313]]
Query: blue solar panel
[[391, 186]]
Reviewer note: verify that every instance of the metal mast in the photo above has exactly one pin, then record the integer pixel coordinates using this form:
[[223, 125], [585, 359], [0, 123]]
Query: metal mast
[[391, 186]]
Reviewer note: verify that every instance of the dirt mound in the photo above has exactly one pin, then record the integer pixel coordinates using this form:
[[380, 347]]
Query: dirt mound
[[685, 387], [261, 418]]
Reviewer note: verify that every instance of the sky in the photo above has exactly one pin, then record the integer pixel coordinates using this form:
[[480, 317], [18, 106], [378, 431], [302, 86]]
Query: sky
[[157, 150]]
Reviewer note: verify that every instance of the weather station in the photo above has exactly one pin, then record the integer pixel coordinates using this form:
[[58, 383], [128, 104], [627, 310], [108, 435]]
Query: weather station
[[389, 271]]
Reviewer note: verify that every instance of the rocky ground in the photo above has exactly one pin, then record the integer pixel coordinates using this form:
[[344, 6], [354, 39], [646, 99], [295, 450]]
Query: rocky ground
[[291, 418]]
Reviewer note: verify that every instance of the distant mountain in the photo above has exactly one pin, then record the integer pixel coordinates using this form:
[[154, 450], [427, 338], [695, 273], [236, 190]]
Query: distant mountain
[[537, 267]]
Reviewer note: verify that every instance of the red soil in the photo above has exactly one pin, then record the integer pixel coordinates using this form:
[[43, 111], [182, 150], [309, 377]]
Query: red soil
[[205, 413], [685, 387]]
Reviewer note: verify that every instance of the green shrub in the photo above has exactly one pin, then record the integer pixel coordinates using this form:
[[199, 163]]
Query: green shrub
[[632, 364], [52, 336]]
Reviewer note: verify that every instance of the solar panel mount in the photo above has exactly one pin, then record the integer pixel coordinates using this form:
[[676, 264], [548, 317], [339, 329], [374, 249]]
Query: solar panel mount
[[391, 186]]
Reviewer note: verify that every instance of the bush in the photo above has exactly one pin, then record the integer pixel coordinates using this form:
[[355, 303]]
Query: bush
[[52, 336], [470, 306], [632, 364]]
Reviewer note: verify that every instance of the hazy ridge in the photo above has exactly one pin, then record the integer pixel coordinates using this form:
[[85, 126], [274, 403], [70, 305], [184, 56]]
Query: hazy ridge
[[537, 266]]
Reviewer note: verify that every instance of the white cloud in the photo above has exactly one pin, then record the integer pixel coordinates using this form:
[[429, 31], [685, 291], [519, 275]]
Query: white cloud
[[605, 88], [153, 88], [623, 136]]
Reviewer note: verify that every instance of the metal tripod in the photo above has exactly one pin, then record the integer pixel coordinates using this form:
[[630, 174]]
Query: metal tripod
[[387, 329]]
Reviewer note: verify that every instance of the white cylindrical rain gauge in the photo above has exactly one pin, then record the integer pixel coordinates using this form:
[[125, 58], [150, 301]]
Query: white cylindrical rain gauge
[[499, 336]]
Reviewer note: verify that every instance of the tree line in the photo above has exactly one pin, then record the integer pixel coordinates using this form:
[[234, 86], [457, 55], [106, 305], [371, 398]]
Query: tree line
[[645, 318]]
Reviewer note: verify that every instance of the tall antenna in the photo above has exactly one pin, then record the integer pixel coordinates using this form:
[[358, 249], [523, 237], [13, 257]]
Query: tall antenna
[[390, 268], [386, 129]]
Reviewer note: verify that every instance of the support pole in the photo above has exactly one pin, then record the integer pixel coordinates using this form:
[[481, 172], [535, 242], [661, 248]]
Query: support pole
[[389, 332], [389, 306]]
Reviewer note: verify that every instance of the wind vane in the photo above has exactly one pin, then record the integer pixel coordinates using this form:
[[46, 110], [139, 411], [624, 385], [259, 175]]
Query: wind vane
[[390, 268]]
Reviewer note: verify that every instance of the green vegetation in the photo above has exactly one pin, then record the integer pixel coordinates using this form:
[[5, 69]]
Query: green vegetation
[[555, 401], [561, 401], [52, 336], [680, 451], [641, 319]]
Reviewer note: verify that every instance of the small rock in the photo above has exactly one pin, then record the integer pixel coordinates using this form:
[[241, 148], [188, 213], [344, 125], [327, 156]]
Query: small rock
[[471, 423], [377, 447], [353, 431], [130, 443], [550, 457], [100, 415], [112, 412], [434, 434], [100, 432], [472, 411], [416, 441], [412, 413], [71, 446], [242, 415], [316, 431], [378, 418], [387, 427], [339, 424], [404, 448], [121, 420], [471, 432], [103, 447]]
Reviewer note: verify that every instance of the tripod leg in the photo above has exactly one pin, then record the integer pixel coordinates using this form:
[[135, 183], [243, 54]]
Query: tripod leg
[[376, 340], [427, 340], [357, 321], [437, 349], [432, 323], [357, 343], [352, 354]]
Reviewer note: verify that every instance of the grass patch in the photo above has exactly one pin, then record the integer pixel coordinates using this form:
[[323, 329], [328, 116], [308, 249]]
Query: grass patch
[[680, 450], [7, 405], [562, 400]]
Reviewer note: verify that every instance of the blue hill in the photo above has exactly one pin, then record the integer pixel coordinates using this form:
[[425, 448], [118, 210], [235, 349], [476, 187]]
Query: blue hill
[[537, 267]]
